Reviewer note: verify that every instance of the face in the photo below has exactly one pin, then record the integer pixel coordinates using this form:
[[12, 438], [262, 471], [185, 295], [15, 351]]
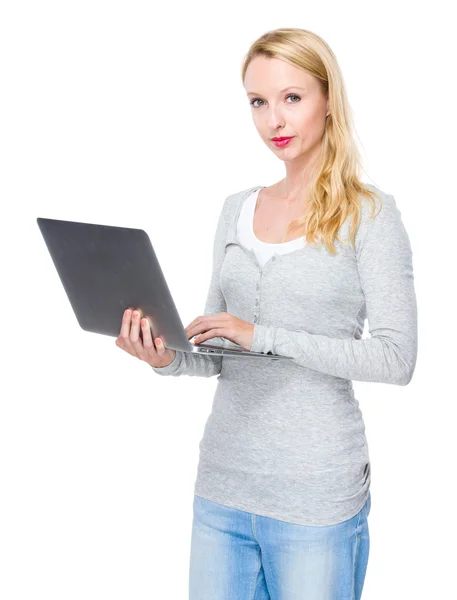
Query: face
[[297, 111]]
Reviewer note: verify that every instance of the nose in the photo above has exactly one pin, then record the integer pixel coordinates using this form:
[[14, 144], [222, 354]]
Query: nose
[[275, 120]]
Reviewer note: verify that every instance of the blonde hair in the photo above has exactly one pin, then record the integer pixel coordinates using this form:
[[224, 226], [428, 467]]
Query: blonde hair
[[334, 189]]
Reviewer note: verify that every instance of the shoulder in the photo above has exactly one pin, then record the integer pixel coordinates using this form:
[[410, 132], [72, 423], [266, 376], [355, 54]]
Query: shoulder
[[381, 225], [384, 209], [233, 201], [380, 196]]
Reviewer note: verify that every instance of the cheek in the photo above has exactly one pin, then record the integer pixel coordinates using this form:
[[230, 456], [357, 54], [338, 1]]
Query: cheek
[[307, 118], [310, 126], [259, 123]]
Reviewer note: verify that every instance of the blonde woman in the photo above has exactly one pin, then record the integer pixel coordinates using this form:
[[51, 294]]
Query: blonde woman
[[282, 493]]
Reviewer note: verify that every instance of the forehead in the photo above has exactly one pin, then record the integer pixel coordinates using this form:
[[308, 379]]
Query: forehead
[[270, 75]]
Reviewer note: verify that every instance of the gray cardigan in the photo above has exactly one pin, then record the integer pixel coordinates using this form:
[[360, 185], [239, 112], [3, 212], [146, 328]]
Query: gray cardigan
[[287, 439]]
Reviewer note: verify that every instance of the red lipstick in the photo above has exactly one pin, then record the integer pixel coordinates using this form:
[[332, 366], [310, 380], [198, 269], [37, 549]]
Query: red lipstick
[[281, 141]]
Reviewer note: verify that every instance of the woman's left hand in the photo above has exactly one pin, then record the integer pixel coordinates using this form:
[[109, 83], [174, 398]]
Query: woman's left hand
[[222, 325]]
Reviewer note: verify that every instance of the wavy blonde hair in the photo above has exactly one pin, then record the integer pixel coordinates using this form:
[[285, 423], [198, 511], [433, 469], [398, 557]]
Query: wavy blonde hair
[[334, 189]]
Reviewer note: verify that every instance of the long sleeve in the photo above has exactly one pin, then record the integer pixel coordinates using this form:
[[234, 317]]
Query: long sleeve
[[384, 262], [191, 363]]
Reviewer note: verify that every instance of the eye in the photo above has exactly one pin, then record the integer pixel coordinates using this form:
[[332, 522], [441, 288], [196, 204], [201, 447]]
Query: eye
[[293, 96], [288, 96], [255, 100]]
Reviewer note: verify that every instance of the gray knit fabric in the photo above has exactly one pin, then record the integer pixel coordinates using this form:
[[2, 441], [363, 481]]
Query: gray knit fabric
[[286, 439]]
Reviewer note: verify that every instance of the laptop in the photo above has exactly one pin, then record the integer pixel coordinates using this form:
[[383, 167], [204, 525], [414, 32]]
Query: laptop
[[105, 270]]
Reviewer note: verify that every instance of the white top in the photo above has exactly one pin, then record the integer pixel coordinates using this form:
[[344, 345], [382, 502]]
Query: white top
[[245, 231]]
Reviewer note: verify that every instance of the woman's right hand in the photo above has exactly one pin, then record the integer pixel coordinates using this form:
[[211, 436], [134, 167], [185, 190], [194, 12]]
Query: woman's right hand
[[151, 351]]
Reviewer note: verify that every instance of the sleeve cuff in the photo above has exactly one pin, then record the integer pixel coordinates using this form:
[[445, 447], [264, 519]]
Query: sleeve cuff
[[172, 367], [264, 338]]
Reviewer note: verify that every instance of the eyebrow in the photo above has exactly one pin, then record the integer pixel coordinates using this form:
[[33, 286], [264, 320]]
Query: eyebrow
[[297, 87]]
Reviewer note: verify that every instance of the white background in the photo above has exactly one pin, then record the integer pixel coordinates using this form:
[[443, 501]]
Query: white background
[[134, 114]]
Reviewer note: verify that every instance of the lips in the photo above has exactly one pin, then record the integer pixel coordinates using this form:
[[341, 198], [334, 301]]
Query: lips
[[280, 139], [282, 142]]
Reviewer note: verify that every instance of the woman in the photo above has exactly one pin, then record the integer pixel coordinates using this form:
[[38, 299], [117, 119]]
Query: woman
[[282, 493]]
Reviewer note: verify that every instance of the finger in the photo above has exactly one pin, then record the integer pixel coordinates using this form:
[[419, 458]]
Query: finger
[[221, 317], [148, 343], [124, 335], [191, 326], [199, 324], [125, 325], [209, 322], [135, 341], [212, 333], [134, 333]]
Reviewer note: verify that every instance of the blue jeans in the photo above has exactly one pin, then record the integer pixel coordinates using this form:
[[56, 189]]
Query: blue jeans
[[237, 555]]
